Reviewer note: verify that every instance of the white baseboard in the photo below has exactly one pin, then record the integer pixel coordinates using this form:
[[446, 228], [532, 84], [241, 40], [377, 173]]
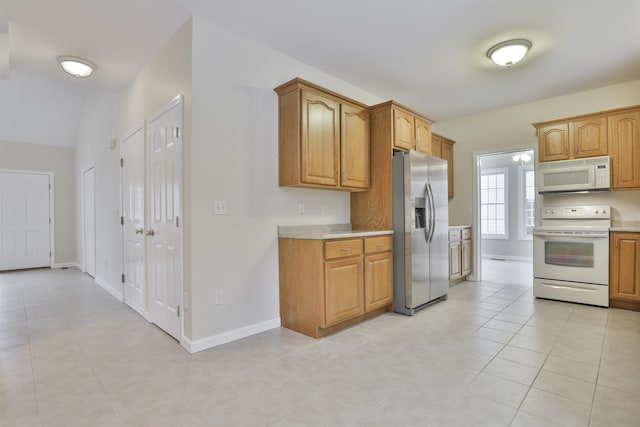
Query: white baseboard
[[104, 285], [66, 265], [227, 337], [508, 258]]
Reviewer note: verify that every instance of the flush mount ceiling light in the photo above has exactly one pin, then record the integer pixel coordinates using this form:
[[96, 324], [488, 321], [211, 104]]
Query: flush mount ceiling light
[[77, 67], [509, 52]]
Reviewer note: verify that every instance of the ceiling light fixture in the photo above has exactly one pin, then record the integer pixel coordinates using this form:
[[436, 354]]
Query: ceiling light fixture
[[77, 67], [522, 158], [509, 52]]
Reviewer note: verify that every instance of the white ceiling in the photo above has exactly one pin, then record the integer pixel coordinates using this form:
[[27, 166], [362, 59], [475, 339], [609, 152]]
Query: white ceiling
[[428, 54]]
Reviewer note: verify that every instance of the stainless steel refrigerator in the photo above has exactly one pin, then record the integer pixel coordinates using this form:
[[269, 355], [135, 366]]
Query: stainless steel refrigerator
[[421, 239]]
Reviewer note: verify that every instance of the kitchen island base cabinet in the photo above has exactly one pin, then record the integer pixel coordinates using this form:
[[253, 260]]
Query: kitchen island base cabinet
[[328, 285], [624, 283]]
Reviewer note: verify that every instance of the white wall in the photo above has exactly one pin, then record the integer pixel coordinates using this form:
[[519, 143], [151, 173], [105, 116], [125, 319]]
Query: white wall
[[511, 126], [95, 133], [60, 161], [235, 158], [40, 110]]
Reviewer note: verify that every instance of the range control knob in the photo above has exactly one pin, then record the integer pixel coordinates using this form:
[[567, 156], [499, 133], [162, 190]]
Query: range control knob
[[596, 212]]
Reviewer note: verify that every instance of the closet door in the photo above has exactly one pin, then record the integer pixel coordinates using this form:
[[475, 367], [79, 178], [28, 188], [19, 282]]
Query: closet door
[[164, 206], [132, 180]]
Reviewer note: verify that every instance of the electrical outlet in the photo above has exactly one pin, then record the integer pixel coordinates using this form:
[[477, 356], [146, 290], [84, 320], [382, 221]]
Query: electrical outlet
[[300, 208], [220, 207], [218, 297]]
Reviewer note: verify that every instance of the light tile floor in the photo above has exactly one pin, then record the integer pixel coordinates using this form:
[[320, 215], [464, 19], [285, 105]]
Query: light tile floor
[[491, 355]]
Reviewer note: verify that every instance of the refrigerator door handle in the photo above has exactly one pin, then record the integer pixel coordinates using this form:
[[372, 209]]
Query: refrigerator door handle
[[432, 213], [427, 228]]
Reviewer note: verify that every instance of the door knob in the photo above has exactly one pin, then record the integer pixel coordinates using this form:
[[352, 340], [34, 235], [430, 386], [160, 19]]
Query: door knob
[[139, 230], [150, 233]]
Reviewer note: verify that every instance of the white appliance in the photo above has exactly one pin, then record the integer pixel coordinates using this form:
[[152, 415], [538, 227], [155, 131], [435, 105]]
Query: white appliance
[[421, 224], [590, 174], [571, 254]]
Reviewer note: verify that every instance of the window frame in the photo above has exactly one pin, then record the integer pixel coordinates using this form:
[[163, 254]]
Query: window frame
[[522, 200], [495, 171]]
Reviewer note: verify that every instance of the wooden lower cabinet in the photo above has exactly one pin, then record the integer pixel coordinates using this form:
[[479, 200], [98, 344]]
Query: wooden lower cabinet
[[460, 254], [378, 275], [327, 285], [624, 283], [343, 289]]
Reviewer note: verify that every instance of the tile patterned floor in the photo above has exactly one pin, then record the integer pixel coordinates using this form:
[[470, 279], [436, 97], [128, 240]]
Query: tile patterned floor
[[491, 355]]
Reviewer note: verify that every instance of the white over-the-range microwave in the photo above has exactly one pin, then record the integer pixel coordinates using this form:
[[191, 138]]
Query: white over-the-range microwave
[[563, 176]]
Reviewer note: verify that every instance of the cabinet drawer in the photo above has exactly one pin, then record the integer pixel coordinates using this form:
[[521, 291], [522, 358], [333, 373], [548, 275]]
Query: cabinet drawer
[[466, 233], [378, 244], [342, 248], [454, 234]]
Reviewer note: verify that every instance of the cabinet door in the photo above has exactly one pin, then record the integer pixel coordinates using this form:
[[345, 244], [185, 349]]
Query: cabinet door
[[447, 154], [625, 266], [624, 143], [467, 258], [588, 138], [423, 136], [354, 159], [436, 147], [553, 142], [343, 292], [378, 282], [320, 148], [403, 130], [455, 264]]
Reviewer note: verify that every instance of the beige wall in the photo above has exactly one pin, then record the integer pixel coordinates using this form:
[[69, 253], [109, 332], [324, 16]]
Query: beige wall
[[60, 161], [511, 126]]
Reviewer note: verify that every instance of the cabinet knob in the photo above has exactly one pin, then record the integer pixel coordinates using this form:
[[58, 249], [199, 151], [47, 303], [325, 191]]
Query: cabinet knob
[[150, 233], [139, 231]]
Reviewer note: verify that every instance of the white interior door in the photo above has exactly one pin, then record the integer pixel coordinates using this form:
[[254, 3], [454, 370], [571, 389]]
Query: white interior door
[[89, 221], [132, 172], [164, 204], [25, 233]]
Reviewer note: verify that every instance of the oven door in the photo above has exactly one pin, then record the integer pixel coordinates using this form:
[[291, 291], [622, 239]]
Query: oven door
[[573, 256]]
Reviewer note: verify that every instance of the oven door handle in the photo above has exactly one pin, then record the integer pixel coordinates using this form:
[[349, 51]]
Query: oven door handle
[[565, 235]]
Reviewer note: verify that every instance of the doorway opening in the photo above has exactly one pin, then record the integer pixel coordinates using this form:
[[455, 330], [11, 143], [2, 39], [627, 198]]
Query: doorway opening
[[89, 221], [505, 214]]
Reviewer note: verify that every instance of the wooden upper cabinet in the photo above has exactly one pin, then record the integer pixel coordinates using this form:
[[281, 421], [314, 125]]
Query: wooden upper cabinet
[[614, 132], [447, 154], [354, 157], [553, 142], [588, 138], [436, 146], [422, 135], [624, 143], [320, 144], [323, 138], [442, 148], [573, 140], [403, 130]]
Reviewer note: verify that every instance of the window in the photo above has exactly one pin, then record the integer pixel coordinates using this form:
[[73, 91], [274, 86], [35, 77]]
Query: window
[[527, 195], [493, 203]]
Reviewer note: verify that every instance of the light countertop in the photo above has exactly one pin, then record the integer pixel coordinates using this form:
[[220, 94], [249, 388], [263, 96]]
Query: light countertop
[[459, 226], [325, 231], [628, 226]]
